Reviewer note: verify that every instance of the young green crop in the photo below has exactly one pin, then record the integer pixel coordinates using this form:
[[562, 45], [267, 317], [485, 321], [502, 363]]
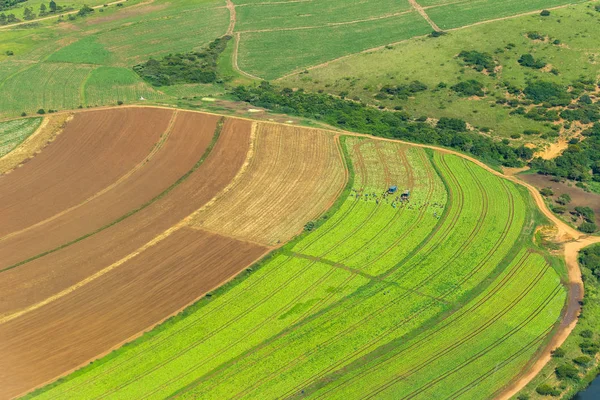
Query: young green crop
[[13, 133]]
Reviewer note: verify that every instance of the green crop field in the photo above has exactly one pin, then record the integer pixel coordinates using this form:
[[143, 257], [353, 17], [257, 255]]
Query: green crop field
[[13, 133], [345, 310]]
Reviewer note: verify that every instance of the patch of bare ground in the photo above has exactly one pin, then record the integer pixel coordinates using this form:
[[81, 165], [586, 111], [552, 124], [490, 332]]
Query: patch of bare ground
[[294, 175], [50, 128]]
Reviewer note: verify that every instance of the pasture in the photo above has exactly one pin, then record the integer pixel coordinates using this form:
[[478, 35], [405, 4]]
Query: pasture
[[345, 308]]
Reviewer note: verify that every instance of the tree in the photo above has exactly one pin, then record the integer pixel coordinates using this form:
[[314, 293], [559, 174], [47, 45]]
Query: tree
[[453, 124], [528, 61], [545, 13], [567, 371], [564, 199], [547, 192], [546, 390], [584, 361], [41, 111], [53, 6], [28, 14], [43, 9], [559, 352], [588, 227], [85, 10]]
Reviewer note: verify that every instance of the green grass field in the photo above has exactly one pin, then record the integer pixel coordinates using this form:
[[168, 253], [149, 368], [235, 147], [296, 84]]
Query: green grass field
[[13, 133], [434, 61], [344, 311]]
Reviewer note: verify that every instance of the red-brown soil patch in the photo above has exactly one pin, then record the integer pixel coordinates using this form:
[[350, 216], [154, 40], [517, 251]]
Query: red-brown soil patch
[[177, 152], [83, 321], [37, 280], [97, 317], [579, 197], [94, 150]]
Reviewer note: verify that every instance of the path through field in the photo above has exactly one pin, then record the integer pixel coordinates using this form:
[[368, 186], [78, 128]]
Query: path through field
[[423, 13]]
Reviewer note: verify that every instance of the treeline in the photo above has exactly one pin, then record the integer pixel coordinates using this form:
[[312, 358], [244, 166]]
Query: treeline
[[6, 4], [359, 117], [580, 161], [193, 67]]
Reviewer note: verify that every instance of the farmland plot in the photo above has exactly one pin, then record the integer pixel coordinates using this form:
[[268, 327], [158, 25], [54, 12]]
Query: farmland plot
[[293, 177], [323, 315], [13, 133]]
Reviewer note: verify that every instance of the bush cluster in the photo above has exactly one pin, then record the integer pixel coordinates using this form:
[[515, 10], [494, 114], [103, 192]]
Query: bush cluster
[[193, 67], [359, 117]]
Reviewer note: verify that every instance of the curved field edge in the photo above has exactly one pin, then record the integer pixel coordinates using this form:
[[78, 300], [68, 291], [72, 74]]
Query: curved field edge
[[217, 292], [14, 133], [136, 210], [225, 288]]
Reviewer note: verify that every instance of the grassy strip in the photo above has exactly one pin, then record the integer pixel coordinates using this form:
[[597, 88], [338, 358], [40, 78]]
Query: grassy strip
[[222, 290], [140, 208]]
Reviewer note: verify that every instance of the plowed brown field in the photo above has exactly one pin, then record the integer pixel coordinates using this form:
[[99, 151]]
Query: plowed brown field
[[179, 150], [294, 175], [85, 297], [94, 150], [97, 317]]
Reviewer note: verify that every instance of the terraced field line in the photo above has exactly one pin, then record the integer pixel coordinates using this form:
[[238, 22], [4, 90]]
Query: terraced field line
[[159, 144], [445, 324], [421, 11], [234, 58]]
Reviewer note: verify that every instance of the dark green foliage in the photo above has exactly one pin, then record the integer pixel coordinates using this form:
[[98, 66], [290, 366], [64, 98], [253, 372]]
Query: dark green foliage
[[542, 114], [587, 333], [545, 13], [41, 111], [564, 199], [357, 117], [546, 192], [479, 61], [85, 11], [588, 227], [567, 371], [586, 212], [589, 347], [6, 4], [584, 112], [527, 60], [559, 352], [546, 390], [548, 92], [28, 14], [309, 226], [584, 361], [453, 124], [590, 258], [194, 67], [559, 209], [469, 88], [535, 36], [523, 396], [403, 91]]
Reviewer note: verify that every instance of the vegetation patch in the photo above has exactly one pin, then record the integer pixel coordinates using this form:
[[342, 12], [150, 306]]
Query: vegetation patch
[[192, 67]]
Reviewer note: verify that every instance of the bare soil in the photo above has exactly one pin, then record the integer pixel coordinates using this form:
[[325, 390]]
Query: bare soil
[[97, 317], [579, 196], [94, 150], [74, 304], [175, 154]]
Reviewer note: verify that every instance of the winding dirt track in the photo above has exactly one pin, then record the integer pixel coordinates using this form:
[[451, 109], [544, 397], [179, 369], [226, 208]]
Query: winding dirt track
[[64, 309]]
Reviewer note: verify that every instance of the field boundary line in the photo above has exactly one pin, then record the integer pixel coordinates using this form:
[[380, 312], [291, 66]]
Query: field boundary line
[[156, 148], [330, 24], [377, 48], [234, 58], [423, 13]]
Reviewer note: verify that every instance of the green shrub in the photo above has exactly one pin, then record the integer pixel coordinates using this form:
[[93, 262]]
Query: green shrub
[[584, 361], [479, 61], [469, 88], [527, 60], [559, 352], [547, 390], [589, 347], [588, 227], [567, 371], [547, 192]]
